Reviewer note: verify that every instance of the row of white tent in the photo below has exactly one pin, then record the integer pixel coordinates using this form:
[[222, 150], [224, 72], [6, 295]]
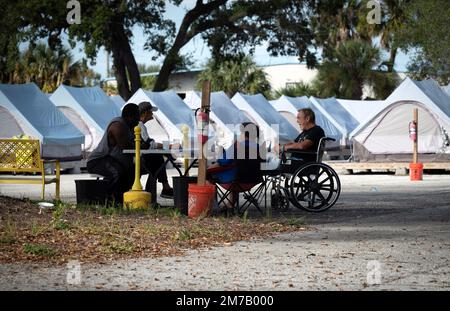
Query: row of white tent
[[377, 130]]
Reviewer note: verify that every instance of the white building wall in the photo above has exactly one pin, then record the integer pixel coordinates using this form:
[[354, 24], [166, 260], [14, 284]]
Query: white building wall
[[280, 76]]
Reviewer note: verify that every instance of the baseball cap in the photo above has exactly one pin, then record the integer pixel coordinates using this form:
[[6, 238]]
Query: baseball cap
[[146, 106]]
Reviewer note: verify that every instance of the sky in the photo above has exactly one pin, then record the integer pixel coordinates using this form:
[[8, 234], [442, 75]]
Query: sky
[[199, 50]]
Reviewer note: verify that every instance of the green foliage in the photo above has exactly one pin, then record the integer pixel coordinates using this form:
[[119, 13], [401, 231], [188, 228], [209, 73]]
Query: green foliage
[[184, 235], [50, 68], [233, 27], [296, 90], [235, 75], [349, 69], [242, 24], [39, 250], [425, 32], [148, 82], [9, 232]]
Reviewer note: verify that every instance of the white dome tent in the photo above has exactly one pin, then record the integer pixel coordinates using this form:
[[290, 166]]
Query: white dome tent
[[118, 101], [385, 138], [337, 115], [289, 106], [223, 113], [24, 109], [265, 116], [361, 110], [434, 125], [89, 109], [171, 115]]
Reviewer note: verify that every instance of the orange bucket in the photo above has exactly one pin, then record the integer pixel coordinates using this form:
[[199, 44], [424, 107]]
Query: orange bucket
[[415, 171], [201, 200]]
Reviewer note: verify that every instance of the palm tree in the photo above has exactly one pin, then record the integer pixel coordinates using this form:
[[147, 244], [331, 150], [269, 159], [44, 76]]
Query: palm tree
[[337, 22], [393, 16], [235, 75], [49, 68], [296, 90], [352, 66]]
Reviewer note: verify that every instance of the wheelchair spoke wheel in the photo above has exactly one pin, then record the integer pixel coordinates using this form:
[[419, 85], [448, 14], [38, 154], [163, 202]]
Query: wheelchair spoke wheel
[[314, 187], [279, 195]]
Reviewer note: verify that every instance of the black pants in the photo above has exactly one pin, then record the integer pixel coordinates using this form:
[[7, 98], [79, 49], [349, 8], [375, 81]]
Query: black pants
[[151, 163], [119, 179]]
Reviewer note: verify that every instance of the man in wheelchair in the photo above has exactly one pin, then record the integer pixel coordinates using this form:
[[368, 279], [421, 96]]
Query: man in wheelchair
[[304, 181], [309, 138]]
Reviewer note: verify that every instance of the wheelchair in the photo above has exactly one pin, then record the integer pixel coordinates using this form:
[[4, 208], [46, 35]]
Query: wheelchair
[[311, 186]]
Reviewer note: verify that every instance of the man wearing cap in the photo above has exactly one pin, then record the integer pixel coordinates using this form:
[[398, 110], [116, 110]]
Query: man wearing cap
[[152, 162]]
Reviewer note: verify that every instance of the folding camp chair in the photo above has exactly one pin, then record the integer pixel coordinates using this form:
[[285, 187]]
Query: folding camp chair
[[248, 180]]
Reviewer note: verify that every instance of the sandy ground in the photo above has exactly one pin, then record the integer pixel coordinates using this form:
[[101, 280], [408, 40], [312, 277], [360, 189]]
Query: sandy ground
[[385, 233]]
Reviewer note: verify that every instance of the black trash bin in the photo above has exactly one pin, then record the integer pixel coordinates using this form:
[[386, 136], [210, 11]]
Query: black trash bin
[[180, 192], [91, 191]]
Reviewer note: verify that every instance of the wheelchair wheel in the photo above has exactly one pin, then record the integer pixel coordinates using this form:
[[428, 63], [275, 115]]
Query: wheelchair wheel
[[279, 195], [315, 187]]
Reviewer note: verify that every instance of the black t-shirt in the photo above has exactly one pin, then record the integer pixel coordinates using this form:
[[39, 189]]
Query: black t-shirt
[[314, 134]]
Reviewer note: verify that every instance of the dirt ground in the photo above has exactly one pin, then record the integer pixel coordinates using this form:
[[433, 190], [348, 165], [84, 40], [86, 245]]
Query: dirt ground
[[385, 233]]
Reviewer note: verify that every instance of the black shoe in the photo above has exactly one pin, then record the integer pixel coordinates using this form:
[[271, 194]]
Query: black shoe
[[168, 193]]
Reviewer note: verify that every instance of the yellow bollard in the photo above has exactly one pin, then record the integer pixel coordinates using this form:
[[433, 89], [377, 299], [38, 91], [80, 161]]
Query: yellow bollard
[[137, 198], [185, 130]]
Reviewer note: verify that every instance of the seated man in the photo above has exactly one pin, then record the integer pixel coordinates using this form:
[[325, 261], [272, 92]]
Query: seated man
[[108, 158], [309, 138], [244, 165], [152, 162]]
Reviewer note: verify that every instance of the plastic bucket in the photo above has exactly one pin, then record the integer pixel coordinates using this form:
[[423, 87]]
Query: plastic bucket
[[201, 200], [415, 171], [180, 192]]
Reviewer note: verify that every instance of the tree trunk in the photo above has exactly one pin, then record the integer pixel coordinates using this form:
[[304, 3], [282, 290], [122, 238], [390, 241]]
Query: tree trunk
[[120, 73], [125, 64], [162, 81], [358, 91], [390, 65], [183, 37]]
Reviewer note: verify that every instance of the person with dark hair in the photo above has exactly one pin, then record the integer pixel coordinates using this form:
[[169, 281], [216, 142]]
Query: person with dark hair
[[240, 167], [108, 158], [310, 136], [152, 162]]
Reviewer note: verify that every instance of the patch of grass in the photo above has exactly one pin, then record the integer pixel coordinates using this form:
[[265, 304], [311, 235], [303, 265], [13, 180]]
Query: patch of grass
[[121, 247], [39, 250], [164, 212], [151, 229], [117, 245], [119, 235], [184, 235], [9, 234], [61, 225], [36, 228], [294, 221], [245, 217]]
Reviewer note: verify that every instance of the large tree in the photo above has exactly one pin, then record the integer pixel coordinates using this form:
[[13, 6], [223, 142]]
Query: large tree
[[104, 23], [9, 41], [425, 33], [230, 26]]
